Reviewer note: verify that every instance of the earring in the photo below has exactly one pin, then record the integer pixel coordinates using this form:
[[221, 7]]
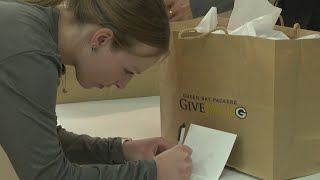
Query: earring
[[93, 47], [64, 84], [64, 79]]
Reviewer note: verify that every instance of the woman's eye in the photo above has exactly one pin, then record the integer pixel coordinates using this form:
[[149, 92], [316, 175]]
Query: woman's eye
[[128, 72]]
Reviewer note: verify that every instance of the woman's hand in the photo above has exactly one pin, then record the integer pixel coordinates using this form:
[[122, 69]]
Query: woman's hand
[[174, 164], [179, 10], [145, 149]]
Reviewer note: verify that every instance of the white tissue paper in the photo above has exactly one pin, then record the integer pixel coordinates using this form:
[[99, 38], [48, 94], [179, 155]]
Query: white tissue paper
[[246, 29], [247, 21], [313, 36], [263, 14], [209, 22], [258, 21], [275, 35], [249, 18]]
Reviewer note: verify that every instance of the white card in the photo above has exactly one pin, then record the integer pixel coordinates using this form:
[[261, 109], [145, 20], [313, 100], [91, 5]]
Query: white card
[[211, 150]]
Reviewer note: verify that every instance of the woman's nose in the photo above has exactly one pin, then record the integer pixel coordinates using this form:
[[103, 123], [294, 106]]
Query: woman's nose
[[124, 82]]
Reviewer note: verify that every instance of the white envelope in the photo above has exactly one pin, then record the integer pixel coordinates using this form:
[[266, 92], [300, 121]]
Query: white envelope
[[211, 150]]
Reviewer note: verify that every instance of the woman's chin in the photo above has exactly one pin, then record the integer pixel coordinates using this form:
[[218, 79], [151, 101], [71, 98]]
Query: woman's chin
[[85, 85]]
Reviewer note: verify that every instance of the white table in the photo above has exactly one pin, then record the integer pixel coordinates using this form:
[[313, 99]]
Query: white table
[[137, 118]]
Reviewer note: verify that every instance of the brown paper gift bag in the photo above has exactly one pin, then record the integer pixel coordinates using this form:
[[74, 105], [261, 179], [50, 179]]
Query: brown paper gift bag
[[7, 172], [265, 91]]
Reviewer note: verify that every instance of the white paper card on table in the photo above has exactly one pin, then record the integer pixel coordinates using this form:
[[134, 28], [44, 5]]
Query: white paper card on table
[[211, 150]]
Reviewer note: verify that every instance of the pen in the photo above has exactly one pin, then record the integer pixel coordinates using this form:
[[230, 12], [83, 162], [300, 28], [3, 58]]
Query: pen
[[182, 130]]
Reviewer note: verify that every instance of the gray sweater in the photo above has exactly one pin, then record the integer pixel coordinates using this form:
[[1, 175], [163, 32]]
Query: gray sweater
[[201, 7], [30, 69]]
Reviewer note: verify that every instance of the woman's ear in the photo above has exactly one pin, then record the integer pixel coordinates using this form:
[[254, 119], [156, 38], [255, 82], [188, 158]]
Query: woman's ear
[[102, 37]]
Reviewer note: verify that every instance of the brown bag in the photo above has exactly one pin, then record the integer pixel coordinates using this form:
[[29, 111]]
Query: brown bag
[[265, 91], [6, 170]]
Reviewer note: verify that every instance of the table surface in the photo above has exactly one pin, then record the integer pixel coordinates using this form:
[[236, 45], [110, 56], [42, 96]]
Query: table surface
[[137, 118]]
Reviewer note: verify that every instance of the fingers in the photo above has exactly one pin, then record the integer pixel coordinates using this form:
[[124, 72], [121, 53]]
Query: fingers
[[188, 171], [188, 160], [169, 3], [176, 17], [181, 12], [188, 166], [188, 12], [165, 144], [162, 145], [186, 149], [175, 163], [174, 8]]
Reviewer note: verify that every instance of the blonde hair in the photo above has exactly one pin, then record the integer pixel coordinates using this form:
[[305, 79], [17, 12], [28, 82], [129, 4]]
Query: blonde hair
[[145, 21], [45, 2]]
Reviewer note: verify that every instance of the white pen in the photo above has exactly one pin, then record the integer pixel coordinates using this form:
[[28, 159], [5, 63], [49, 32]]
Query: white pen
[[182, 130]]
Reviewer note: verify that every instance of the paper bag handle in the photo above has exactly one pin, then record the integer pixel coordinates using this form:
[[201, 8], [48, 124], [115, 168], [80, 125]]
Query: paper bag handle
[[281, 20], [183, 32], [296, 27]]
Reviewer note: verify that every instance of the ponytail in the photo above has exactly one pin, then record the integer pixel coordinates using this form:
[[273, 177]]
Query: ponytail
[[46, 2]]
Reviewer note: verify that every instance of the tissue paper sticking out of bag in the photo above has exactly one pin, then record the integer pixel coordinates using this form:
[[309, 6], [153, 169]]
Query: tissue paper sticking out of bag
[[246, 29], [313, 36], [246, 21], [209, 22], [275, 35], [261, 12], [259, 27]]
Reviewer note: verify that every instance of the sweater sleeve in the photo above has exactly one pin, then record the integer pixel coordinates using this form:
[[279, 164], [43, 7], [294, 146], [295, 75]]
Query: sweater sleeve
[[83, 149]]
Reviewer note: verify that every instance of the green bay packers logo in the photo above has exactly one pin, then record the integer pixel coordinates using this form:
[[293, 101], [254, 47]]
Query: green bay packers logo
[[241, 113]]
